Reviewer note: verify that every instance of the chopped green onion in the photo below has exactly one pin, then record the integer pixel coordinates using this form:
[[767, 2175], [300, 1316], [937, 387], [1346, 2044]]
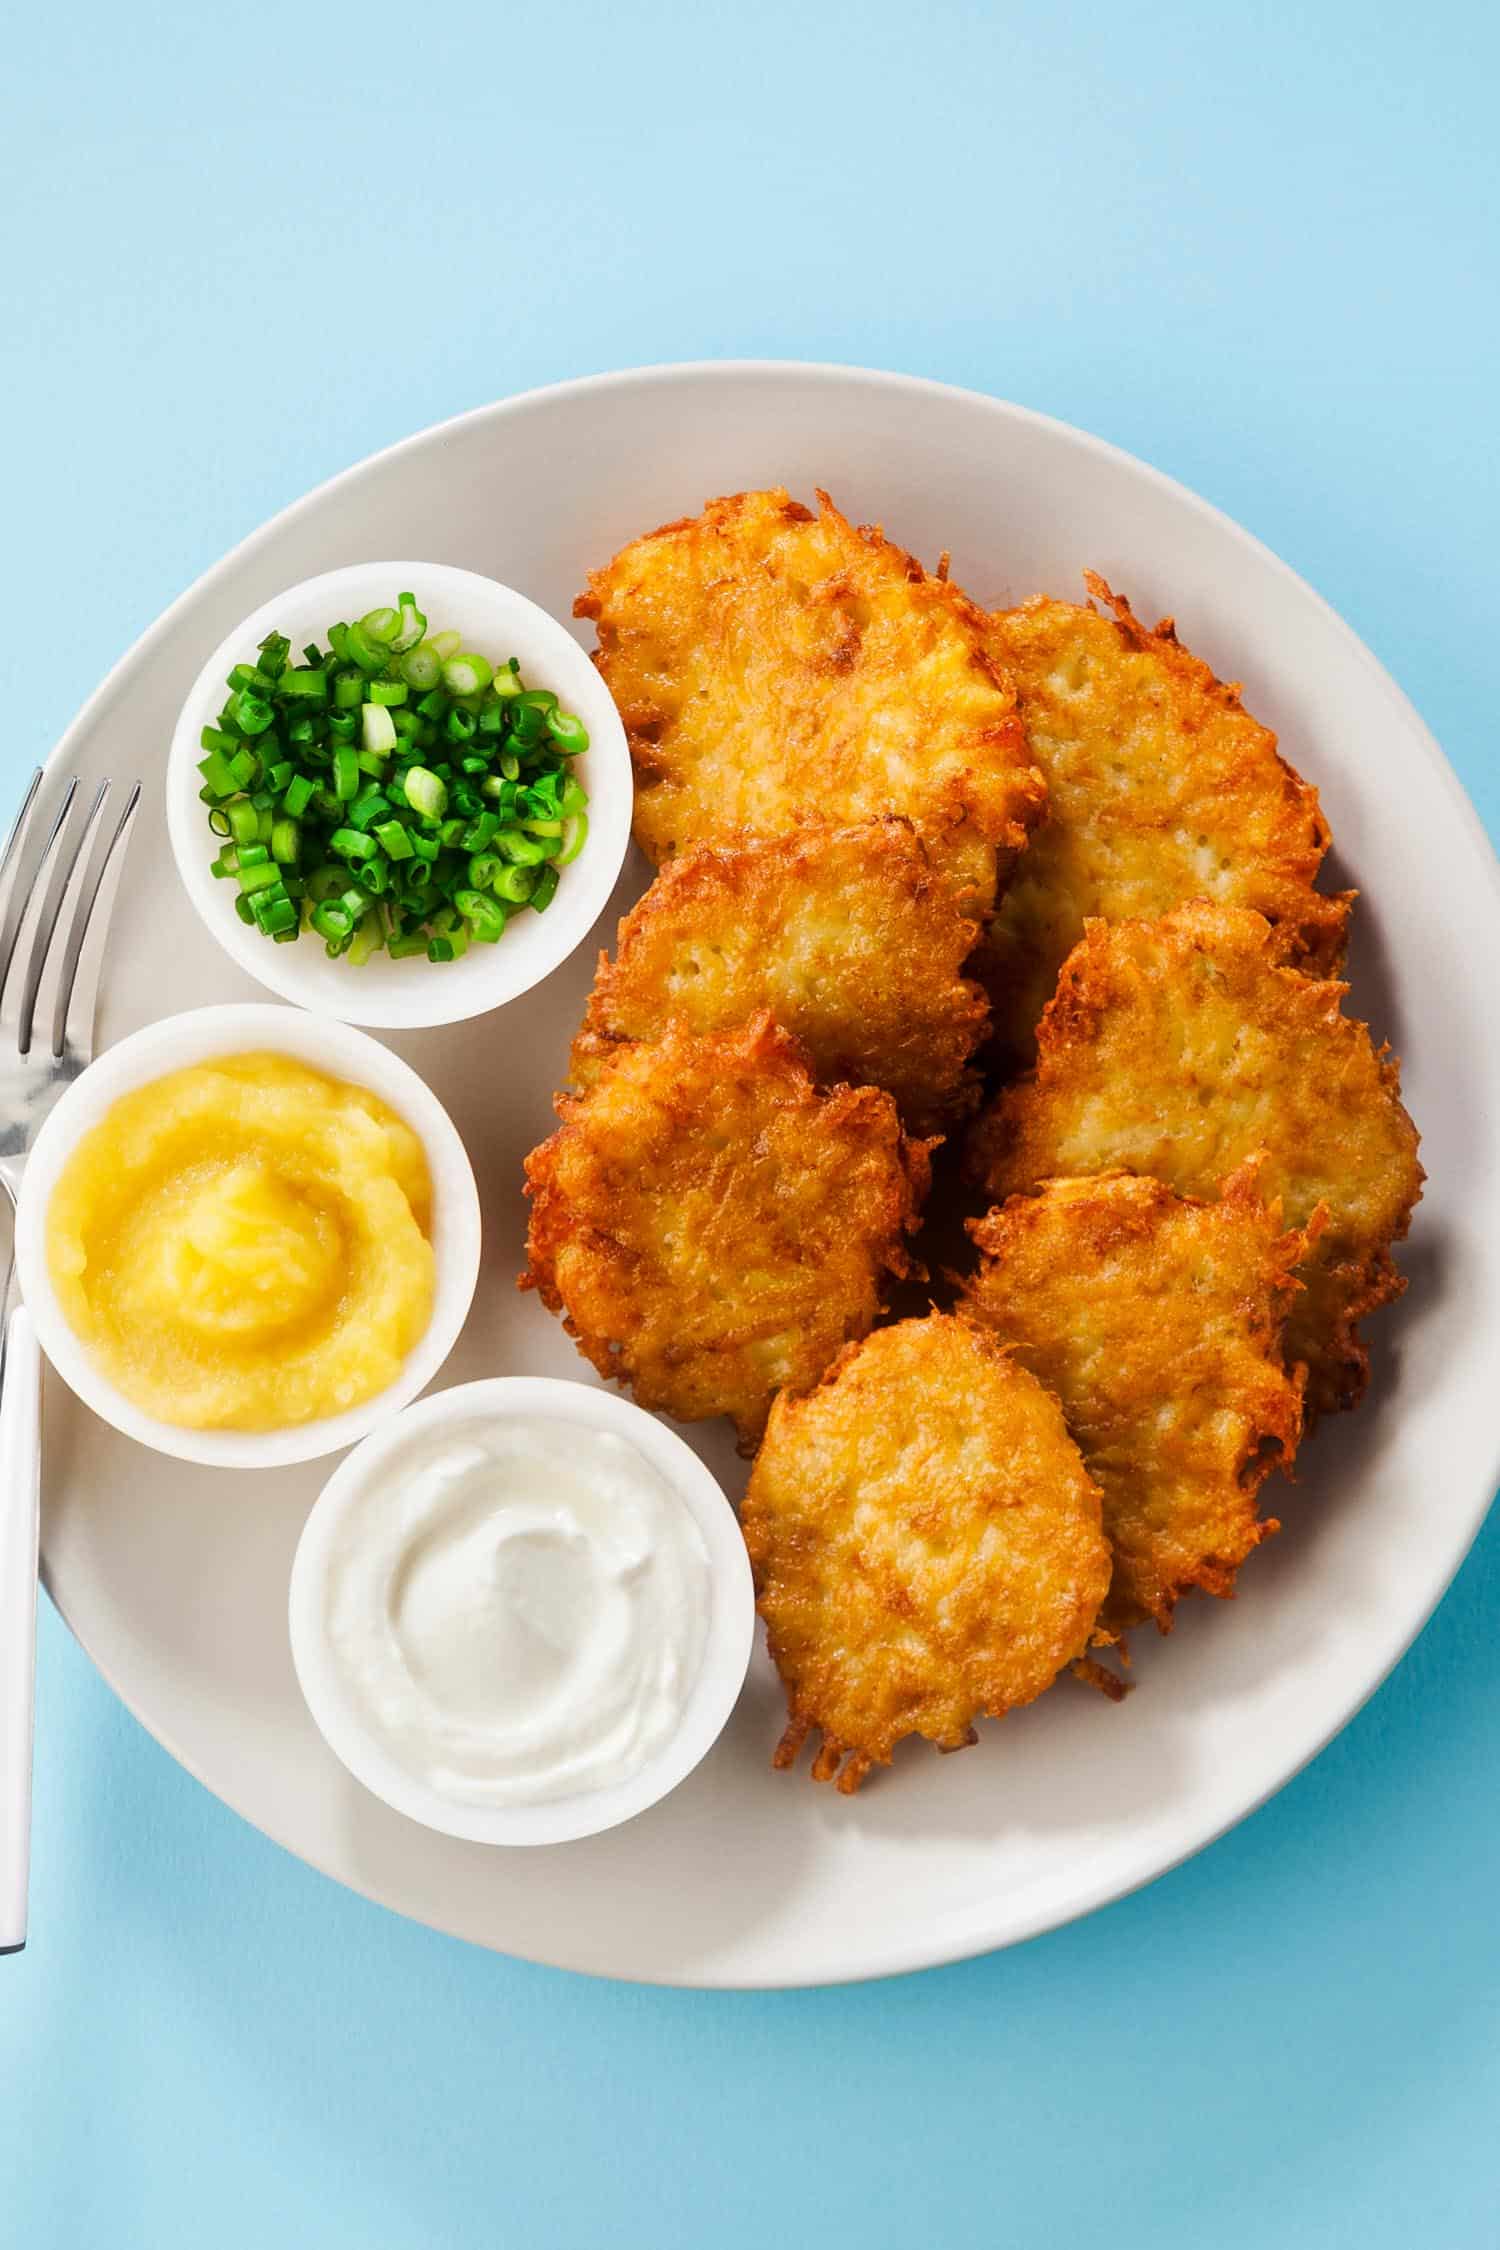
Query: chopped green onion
[[413, 624], [568, 732], [390, 791], [252, 713], [280, 915], [575, 836], [378, 730], [369, 655], [422, 668], [217, 773], [367, 808], [514, 883], [466, 674], [425, 793], [368, 939], [485, 918], [309, 686], [331, 920]]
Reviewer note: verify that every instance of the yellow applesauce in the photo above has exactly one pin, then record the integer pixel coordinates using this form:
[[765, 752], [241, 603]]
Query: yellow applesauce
[[244, 1245]]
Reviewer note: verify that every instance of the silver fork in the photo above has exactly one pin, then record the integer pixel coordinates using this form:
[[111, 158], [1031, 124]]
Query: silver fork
[[58, 879]]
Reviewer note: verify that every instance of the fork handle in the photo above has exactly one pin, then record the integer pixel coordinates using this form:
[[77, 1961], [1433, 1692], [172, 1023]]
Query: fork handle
[[20, 1492]]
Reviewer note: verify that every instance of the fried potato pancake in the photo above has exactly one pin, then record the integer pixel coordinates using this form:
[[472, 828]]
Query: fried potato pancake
[[712, 1227], [1161, 788], [1157, 1321], [926, 1542], [844, 934], [773, 667], [1182, 1046]]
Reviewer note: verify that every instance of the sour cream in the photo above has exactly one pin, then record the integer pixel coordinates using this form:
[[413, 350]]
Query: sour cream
[[518, 1610]]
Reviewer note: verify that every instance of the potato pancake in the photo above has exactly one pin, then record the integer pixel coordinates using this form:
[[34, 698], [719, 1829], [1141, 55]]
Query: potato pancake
[[712, 1227], [1161, 788], [774, 667], [1157, 1322], [1179, 1048], [926, 1542], [844, 934]]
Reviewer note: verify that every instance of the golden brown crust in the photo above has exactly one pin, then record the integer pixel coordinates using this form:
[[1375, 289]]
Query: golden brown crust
[[774, 667], [1157, 1320], [1182, 1046], [844, 934], [711, 1227], [926, 1542], [1161, 788]]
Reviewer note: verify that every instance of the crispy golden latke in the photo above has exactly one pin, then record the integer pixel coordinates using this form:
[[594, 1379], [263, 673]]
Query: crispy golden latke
[[1182, 1046], [844, 934], [926, 1542], [774, 667], [1161, 788], [1157, 1321], [711, 1227]]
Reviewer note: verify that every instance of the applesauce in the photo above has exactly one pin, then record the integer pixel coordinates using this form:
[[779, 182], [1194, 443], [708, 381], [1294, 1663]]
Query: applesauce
[[244, 1245]]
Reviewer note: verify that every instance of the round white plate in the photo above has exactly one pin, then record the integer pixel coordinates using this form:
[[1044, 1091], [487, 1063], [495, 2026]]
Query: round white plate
[[175, 1579]]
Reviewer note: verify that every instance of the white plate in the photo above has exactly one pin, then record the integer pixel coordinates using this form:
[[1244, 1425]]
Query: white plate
[[176, 1580]]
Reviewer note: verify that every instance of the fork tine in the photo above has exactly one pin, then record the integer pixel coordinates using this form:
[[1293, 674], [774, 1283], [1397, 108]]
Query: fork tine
[[66, 1016], [19, 823], [19, 893], [21, 897], [57, 890]]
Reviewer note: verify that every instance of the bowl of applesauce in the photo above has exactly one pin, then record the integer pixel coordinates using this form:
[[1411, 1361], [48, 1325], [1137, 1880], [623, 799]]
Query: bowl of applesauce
[[245, 1236]]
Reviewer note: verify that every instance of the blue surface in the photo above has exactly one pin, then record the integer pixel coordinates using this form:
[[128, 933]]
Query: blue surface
[[1256, 247]]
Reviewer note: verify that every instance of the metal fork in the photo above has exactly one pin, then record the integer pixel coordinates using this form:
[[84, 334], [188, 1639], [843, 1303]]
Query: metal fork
[[58, 879]]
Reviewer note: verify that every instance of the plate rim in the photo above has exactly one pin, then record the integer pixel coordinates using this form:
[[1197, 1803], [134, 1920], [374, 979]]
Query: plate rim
[[1083, 1898]]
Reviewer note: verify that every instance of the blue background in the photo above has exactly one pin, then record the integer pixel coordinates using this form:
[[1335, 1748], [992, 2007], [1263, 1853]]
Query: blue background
[[1256, 246]]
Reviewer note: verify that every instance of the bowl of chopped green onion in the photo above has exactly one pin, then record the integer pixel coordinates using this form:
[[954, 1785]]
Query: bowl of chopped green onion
[[399, 794]]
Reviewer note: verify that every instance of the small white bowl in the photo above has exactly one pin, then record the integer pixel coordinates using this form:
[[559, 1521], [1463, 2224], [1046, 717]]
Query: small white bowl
[[199, 1036], [726, 1648], [412, 994]]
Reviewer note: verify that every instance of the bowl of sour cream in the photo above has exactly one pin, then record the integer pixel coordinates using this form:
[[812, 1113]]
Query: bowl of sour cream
[[521, 1611]]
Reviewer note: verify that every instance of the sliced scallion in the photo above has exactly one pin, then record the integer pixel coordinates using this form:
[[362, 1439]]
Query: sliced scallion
[[391, 790]]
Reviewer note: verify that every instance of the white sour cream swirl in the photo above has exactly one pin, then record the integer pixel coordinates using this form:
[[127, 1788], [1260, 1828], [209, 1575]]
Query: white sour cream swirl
[[519, 1611]]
